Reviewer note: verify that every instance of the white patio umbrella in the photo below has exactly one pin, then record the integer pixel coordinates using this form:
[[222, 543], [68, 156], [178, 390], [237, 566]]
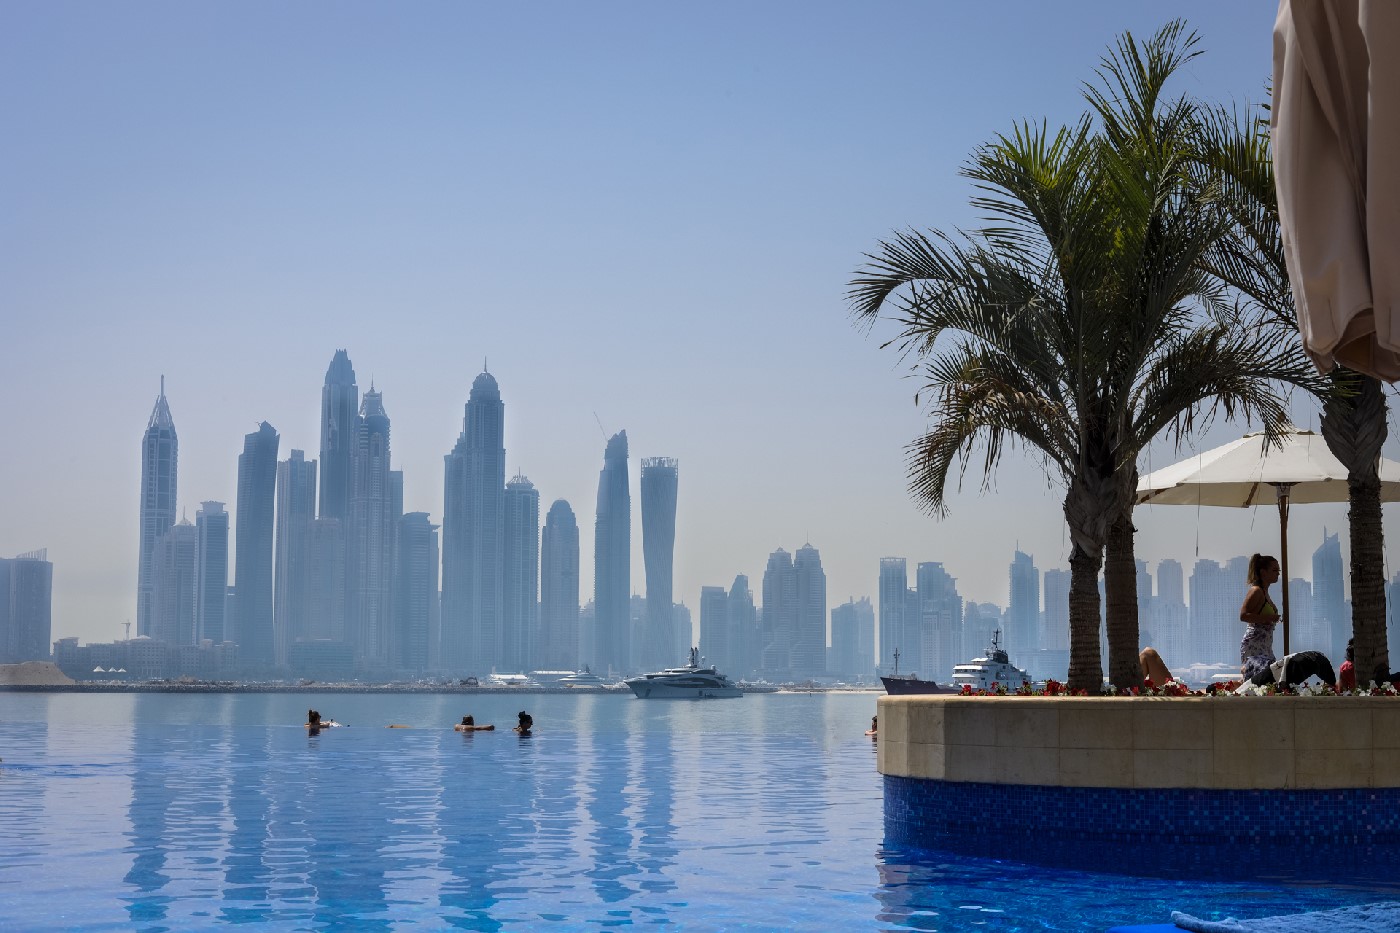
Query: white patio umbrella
[[1249, 472]]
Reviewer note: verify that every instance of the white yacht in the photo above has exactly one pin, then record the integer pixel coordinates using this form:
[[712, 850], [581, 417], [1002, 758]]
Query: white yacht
[[995, 668], [583, 678], [691, 682]]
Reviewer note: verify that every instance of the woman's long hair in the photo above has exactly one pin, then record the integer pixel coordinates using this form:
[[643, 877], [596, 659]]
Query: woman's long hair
[[1257, 564]]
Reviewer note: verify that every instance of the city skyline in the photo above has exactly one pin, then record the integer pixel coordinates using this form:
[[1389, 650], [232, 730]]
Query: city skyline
[[716, 200]]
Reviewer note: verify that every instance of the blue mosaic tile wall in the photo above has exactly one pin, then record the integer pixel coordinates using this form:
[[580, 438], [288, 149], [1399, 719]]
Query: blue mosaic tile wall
[[1297, 836]]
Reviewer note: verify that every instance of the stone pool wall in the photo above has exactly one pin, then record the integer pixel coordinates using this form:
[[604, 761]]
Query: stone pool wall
[[1188, 770]]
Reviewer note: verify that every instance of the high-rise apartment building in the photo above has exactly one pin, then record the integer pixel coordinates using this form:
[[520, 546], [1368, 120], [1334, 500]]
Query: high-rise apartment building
[[852, 654], [174, 596], [473, 529], [1054, 629], [612, 560], [559, 589], [1216, 593], [716, 635], [1023, 610], [520, 649], [211, 573], [807, 655], [779, 615], [325, 585], [743, 623], [415, 592], [940, 616], [373, 530], [1168, 622], [659, 486], [1330, 613], [340, 400], [296, 510], [26, 608], [159, 472], [253, 539], [1304, 634], [895, 634]]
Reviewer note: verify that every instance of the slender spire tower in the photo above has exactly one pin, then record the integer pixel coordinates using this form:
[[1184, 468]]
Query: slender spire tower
[[612, 560], [159, 462], [340, 403]]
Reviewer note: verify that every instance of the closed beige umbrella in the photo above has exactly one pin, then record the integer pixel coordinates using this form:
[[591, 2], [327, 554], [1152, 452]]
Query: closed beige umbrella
[[1336, 141]]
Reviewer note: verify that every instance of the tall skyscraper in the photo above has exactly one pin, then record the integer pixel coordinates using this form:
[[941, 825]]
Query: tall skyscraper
[[174, 596], [211, 573], [520, 589], [1169, 622], [743, 622], [940, 615], [716, 635], [807, 657], [340, 400], [325, 583], [473, 533], [415, 591], [252, 562], [1054, 632], [159, 471], [659, 485], [1330, 613], [372, 531], [1216, 592], [1024, 607], [779, 615], [852, 654], [559, 589], [26, 608], [895, 635], [296, 510], [612, 559]]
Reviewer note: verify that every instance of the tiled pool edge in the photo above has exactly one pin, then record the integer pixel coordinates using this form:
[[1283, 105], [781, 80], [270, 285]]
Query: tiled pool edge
[[1193, 771]]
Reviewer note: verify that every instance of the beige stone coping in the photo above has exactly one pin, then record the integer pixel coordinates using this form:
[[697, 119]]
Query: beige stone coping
[[1159, 742]]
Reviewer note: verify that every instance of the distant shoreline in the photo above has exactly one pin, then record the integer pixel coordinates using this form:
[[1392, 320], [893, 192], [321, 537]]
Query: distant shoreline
[[367, 688]]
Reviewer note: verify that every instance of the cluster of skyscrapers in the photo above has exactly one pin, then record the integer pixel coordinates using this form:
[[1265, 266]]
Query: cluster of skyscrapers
[[333, 578], [933, 628]]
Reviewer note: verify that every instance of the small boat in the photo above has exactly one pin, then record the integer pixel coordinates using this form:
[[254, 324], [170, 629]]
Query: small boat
[[691, 682], [898, 684], [995, 668]]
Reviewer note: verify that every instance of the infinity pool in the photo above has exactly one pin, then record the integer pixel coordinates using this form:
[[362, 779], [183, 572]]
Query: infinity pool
[[179, 812]]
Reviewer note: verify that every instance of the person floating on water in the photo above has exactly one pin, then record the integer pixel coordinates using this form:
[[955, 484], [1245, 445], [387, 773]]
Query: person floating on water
[[468, 724], [526, 723], [316, 722]]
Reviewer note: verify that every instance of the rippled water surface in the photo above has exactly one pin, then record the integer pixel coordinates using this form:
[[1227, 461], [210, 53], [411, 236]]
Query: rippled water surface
[[179, 812]]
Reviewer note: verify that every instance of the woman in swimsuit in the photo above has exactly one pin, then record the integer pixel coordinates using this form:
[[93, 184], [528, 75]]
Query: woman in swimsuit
[[1260, 615]]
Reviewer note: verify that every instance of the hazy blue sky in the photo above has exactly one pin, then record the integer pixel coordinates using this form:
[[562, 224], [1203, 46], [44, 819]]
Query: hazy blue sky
[[647, 212]]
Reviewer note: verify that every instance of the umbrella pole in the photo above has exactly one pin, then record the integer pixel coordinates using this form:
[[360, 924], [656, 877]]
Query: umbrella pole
[[1282, 490]]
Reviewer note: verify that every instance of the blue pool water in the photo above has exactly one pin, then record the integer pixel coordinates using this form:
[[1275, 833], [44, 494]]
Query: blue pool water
[[179, 812]]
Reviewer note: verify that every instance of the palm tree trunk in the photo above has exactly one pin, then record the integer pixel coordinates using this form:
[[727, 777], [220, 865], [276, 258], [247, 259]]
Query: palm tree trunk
[[1355, 428], [1120, 595], [1087, 503], [1085, 666]]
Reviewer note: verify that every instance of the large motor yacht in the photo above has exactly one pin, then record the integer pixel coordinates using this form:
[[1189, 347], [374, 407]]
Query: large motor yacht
[[691, 682], [995, 668]]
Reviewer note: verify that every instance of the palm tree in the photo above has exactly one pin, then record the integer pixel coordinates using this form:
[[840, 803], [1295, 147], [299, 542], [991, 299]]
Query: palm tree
[[1237, 162], [1074, 323]]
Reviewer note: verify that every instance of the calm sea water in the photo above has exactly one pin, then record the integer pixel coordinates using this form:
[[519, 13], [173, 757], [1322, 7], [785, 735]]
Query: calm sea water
[[180, 812]]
